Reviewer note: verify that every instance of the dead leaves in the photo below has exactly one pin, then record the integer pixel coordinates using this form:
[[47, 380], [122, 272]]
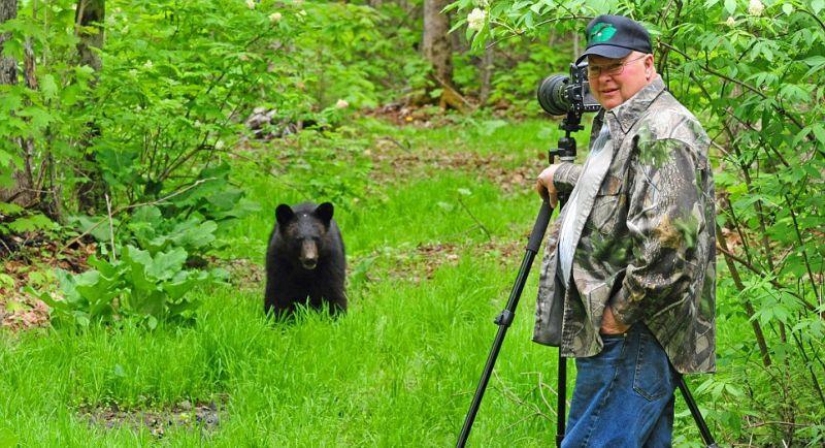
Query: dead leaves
[[33, 264]]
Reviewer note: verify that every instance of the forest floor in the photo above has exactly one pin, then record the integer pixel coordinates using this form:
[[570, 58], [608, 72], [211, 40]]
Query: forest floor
[[29, 259]]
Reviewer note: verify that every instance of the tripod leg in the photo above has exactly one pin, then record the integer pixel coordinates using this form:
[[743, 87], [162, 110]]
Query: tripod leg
[[506, 317], [562, 403], [694, 411]]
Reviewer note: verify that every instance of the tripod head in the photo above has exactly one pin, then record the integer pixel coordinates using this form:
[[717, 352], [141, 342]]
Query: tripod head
[[567, 144]]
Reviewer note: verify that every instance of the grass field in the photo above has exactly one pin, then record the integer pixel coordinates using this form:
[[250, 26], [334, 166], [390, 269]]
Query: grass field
[[434, 220]]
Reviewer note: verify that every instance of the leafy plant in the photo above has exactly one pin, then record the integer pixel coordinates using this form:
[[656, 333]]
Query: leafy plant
[[15, 219], [139, 285]]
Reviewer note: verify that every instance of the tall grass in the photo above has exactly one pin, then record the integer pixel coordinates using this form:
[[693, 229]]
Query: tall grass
[[432, 254]]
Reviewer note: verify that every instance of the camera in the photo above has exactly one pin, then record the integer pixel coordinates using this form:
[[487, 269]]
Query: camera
[[561, 94]]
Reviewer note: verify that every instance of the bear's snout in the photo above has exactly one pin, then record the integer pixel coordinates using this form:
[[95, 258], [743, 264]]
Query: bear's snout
[[309, 255]]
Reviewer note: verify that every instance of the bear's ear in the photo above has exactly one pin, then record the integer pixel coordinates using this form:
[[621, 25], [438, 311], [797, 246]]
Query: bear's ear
[[324, 212], [284, 214]]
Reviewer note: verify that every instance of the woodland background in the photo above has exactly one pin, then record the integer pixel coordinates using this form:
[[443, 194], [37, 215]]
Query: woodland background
[[121, 120]]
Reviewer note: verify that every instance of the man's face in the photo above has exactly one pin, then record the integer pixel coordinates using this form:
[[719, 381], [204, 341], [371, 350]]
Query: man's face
[[614, 81]]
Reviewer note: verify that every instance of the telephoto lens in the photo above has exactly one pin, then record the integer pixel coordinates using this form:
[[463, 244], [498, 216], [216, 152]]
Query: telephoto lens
[[553, 94]]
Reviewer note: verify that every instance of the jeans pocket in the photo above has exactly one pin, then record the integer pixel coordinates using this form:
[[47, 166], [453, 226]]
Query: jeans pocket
[[652, 372]]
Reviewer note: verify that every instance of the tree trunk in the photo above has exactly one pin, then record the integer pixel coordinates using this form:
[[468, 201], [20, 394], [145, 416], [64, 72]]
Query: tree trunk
[[89, 18], [436, 42], [486, 68], [89, 28], [8, 66], [21, 191], [437, 49]]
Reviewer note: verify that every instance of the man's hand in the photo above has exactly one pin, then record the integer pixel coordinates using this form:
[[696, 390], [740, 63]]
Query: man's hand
[[545, 187], [610, 325]]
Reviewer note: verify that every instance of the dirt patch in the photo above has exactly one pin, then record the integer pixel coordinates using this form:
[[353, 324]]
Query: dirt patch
[[202, 416], [393, 162], [244, 273], [429, 257]]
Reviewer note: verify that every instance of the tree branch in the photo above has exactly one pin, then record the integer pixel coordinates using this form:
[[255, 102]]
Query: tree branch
[[774, 283], [749, 310]]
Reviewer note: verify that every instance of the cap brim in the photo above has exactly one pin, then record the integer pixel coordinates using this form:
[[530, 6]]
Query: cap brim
[[605, 51]]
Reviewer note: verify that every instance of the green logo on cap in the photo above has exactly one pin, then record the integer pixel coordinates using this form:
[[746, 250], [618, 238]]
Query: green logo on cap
[[601, 32]]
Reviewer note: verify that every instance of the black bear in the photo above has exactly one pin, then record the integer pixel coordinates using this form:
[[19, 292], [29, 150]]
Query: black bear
[[305, 261]]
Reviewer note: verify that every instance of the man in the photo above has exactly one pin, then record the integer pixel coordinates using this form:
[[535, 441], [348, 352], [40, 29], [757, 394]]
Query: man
[[630, 261]]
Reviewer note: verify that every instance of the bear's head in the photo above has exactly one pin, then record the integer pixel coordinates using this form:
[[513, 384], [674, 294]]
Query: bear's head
[[303, 230]]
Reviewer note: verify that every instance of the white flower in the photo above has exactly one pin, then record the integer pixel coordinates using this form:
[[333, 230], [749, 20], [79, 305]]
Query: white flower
[[755, 8], [476, 19], [341, 104], [219, 145], [275, 17], [250, 4], [731, 22]]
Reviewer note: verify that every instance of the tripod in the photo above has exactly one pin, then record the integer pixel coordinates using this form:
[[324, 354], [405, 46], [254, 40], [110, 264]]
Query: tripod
[[566, 151]]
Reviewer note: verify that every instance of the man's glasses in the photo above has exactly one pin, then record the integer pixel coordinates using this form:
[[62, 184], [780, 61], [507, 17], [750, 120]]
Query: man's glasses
[[612, 69]]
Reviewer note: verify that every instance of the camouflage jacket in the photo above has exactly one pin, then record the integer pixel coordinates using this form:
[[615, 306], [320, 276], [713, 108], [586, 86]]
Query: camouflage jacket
[[647, 247]]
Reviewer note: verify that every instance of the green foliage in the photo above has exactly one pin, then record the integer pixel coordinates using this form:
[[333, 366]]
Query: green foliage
[[763, 101], [151, 281], [139, 285], [191, 235], [518, 67], [52, 114], [509, 19], [33, 222], [177, 80], [192, 218], [174, 76], [16, 220], [332, 168], [176, 84]]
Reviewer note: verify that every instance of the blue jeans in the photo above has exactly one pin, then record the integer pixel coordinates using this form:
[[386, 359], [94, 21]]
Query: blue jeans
[[623, 396]]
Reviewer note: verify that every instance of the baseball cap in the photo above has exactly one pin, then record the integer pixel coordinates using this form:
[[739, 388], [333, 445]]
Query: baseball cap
[[615, 37]]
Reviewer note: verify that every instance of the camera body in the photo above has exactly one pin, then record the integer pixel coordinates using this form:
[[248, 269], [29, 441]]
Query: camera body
[[561, 94]]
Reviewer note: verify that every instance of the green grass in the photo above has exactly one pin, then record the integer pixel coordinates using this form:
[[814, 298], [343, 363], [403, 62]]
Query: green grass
[[433, 253]]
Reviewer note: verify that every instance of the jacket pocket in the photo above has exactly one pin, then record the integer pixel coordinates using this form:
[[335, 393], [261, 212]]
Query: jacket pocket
[[609, 207]]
